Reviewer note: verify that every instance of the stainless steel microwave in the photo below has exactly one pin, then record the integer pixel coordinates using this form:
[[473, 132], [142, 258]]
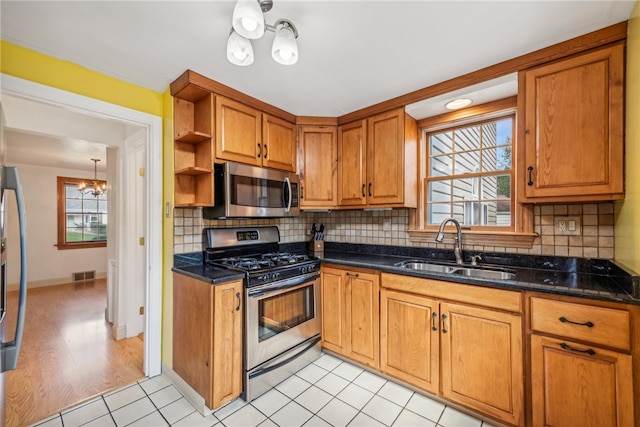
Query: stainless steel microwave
[[244, 191]]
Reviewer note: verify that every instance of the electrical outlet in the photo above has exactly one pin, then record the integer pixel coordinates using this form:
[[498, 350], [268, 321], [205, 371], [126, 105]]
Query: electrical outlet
[[567, 226]]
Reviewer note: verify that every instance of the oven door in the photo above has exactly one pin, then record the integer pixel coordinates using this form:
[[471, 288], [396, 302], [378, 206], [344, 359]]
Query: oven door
[[280, 316]]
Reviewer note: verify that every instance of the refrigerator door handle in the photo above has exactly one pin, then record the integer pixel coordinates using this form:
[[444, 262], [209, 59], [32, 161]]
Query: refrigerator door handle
[[10, 350]]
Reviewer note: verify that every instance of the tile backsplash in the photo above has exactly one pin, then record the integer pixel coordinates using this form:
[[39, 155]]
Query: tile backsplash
[[596, 238]]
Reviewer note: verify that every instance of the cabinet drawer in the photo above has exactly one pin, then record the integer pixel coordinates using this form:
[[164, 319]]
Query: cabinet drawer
[[605, 326]]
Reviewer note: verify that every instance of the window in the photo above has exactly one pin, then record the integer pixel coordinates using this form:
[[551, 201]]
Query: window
[[82, 218], [469, 173]]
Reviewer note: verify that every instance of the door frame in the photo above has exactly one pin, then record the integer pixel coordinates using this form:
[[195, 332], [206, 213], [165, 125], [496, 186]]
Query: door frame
[[153, 246]]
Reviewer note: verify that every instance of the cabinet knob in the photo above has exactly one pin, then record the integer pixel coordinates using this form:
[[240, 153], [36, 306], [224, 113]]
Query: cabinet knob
[[353, 275]]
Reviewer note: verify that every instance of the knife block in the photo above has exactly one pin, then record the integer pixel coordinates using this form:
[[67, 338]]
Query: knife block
[[317, 248]]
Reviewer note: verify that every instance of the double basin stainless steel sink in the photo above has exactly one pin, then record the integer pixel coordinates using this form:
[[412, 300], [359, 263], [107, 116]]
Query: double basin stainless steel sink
[[457, 270]]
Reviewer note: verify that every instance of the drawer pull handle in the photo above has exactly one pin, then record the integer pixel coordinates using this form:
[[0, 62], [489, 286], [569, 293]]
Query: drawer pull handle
[[353, 275], [444, 325], [434, 316], [363, 186], [565, 320], [568, 347], [238, 297]]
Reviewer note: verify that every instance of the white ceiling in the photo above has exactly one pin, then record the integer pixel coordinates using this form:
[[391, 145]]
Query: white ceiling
[[353, 54]]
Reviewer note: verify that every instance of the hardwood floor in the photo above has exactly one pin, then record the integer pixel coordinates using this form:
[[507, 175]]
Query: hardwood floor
[[68, 354]]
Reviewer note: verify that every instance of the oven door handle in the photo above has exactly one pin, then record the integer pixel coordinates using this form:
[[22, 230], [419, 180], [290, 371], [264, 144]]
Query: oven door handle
[[263, 371], [271, 288]]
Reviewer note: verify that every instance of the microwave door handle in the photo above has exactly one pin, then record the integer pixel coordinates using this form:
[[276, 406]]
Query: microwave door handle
[[10, 350], [288, 184]]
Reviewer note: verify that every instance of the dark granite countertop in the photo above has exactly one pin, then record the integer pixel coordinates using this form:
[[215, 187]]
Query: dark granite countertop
[[581, 277], [191, 265]]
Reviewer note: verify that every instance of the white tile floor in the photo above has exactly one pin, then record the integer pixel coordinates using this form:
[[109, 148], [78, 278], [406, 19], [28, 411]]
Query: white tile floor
[[328, 392]]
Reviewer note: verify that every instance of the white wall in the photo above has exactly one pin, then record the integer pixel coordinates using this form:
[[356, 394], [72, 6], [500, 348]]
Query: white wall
[[46, 264]]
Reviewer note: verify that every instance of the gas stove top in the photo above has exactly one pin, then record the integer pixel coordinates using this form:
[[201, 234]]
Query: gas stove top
[[261, 261], [255, 251]]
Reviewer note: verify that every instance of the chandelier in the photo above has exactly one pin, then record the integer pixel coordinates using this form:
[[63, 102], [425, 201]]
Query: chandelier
[[248, 24], [98, 188]]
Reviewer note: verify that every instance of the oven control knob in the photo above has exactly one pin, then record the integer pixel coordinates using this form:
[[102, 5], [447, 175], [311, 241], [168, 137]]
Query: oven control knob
[[303, 269]]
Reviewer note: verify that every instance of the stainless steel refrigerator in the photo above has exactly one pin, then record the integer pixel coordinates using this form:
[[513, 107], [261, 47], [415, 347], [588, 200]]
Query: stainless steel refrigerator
[[9, 181]]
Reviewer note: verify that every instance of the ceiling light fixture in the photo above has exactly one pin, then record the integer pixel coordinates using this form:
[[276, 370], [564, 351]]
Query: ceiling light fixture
[[248, 24], [456, 104], [98, 188]]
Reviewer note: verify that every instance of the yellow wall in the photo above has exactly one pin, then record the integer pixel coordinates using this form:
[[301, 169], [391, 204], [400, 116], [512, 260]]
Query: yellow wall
[[29, 65], [167, 232], [627, 219], [36, 67]]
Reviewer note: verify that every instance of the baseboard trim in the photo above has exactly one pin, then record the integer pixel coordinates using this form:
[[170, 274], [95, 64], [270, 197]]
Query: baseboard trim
[[118, 332], [49, 282], [189, 393]]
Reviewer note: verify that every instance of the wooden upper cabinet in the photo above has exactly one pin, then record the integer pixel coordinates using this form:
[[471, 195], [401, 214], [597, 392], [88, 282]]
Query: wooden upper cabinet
[[278, 143], [352, 168], [378, 162], [193, 149], [318, 163], [573, 130], [238, 132]]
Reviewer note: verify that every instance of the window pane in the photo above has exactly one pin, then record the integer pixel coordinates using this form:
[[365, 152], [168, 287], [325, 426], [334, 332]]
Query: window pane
[[467, 138], [85, 216], [482, 149], [440, 166], [441, 143], [489, 136], [496, 187], [504, 131], [467, 163]]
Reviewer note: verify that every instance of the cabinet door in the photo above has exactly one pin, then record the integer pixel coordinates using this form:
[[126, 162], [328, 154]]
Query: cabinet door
[[192, 327], [409, 339], [571, 387], [318, 168], [363, 318], [278, 143], [574, 127], [481, 360], [333, 309], [227, 343], [385, 158], [238, 132], [352, 168]]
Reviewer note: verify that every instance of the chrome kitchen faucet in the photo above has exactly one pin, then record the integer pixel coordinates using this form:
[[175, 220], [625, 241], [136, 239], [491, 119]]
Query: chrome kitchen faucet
[[457, 246]]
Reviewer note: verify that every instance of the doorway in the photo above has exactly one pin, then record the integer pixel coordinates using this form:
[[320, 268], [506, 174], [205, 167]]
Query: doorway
[[151, 138]]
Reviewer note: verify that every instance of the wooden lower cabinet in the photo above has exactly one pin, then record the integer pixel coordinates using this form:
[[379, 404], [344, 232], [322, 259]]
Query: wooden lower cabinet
[[410, 339], [350, 314], [580, 385], [468, 354], [207, 337], [481, 360]]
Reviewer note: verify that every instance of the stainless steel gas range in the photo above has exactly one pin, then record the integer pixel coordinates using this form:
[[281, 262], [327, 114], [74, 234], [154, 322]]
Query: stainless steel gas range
[[282, 303]]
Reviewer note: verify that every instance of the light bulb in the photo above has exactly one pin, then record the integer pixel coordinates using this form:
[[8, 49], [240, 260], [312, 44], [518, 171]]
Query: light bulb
[[249, 24], [285, 54]]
